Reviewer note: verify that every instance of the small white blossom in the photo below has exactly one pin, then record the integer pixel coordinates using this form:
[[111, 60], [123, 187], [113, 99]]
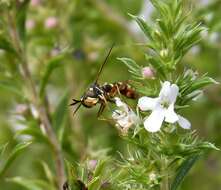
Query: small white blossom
[[162, 108], [124, 116], [152, 176]]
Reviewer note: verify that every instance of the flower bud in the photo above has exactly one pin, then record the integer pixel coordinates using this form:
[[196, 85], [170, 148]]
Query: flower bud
[[92, 164], [21, 109], [152, 176], [55, 51], [35, 3], [30, 24], [148, 73], [164, 53], [51, 22]]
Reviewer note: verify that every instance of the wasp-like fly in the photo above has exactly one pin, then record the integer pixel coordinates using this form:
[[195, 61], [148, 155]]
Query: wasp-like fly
[[102, 94], [78, 184]]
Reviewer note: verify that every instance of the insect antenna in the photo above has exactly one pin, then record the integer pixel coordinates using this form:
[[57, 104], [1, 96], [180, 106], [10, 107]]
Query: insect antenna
[[102, 66], [77, 109], [74, 103]]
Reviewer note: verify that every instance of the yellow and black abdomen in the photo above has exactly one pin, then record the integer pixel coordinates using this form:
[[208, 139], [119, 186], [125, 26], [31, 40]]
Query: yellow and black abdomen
[[90, 101]]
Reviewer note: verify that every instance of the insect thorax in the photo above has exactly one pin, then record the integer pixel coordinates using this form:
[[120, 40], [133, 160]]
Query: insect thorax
[[92, 96]]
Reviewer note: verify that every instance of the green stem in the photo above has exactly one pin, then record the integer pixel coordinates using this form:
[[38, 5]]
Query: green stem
[[165, 184]]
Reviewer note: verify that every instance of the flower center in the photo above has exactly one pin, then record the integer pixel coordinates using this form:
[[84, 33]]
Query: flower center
[[165, 104]]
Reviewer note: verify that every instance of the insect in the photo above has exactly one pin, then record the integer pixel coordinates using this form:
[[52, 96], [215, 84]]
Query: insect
[[102, 94], [78, 184]]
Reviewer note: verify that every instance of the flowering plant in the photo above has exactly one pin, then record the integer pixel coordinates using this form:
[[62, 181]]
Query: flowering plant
[[33, 45], [162, 157]]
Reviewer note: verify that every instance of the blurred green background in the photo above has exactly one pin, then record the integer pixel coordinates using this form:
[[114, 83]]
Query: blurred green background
[[87, 28]]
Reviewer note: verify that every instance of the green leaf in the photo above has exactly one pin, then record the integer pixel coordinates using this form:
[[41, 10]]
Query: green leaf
[[31, 184], [48, 173], [50, 67], [198, 84], [35, 133], [147, 30], [6, 45], [15, 152], [94, 183], [133, 67], [22, 9], [204, 81], [183, 170], [160, 6], [157, 65], [2, 149], [99, 168], [207, 146], [163, 27], [12, 88], [59, 115]]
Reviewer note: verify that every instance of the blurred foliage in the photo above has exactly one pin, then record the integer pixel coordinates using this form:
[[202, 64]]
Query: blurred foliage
[[65, 43]]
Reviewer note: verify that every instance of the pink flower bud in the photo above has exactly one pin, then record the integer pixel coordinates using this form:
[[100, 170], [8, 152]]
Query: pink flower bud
[[30, 24], [148, 73], [21, 109], [51, 22], [92, 164], [35, 3], [55, 51]]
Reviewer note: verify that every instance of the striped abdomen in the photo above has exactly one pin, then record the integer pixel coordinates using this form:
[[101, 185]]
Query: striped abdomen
[[123, 88]]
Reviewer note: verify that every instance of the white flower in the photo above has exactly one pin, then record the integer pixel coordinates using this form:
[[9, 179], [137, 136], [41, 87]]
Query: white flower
[[162, 108], [124, 116], [152, 176]]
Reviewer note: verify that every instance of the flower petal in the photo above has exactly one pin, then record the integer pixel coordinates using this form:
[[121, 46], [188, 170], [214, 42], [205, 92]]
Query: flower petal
[[121, 104], [155, 120], [124, 123], [117, 114], [147, 103], [165, 90], [183, 122], [133, 118], [174, 90], [170, 115]]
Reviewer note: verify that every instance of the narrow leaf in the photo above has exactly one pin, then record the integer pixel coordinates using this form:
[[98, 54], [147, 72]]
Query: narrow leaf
[[12, 88], [183, 170], [59, 115], [147, 30], [51, 66], [6, 45], [35, 133], [16, 151], [133, 67], [2, 149], [30, 184], [94, 183], [48, 173], [21, 19]]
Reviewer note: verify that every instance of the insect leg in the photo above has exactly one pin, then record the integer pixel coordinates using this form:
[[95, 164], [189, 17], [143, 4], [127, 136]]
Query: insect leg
[[104, 101], [118, 90], [101, 109], [66, 186]]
